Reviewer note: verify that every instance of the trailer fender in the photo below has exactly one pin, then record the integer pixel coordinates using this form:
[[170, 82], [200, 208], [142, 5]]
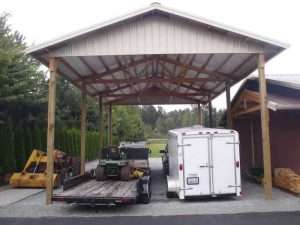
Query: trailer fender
[[173, 184], [144, 185]]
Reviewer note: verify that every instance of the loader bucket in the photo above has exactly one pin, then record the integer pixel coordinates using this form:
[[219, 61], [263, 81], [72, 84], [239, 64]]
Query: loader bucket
[[31, 180]]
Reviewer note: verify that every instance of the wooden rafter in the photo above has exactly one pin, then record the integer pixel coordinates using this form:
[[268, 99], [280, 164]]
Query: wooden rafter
[[152, 94], [66, 64], [219, 75], [246, 95], [115, 70], [204, 68], [245, 61], [246, 111], [175, 80], [184, 71]]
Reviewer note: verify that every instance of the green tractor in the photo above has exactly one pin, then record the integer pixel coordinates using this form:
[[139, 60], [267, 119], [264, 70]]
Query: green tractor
[[113, 164]]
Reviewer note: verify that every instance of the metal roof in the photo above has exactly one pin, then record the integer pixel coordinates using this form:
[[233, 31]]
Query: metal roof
[[156, 55], [281, 95]]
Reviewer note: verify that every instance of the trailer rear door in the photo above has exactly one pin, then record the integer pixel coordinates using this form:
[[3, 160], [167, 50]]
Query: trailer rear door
[[223, 164], [196, 165]]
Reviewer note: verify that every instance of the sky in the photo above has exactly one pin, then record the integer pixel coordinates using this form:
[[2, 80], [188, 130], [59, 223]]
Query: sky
[[40, 21]]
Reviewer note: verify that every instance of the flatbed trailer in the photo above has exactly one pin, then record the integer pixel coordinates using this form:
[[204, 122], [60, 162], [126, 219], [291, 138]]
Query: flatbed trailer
[[86, 190]]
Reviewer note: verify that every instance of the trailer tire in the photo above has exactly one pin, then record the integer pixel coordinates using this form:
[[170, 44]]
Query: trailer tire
[[145, 198], [100, 173], [171, 194], [144, 190], [125, 173]]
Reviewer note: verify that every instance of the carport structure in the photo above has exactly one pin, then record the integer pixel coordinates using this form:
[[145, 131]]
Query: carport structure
[[155, 55]]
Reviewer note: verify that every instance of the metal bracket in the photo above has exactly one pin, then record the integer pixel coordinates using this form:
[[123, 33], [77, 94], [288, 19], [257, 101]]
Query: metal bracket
[[185, 189], [184, 145], [233, 143], [233, 186]]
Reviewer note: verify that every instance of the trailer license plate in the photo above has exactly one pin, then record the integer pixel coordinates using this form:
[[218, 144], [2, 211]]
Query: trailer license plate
[[192, 180]]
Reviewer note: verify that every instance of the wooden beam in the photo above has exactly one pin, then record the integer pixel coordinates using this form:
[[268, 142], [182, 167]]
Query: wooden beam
[[217, 75], [247, 95], [248, 59], [252, 138], [112, 90], [184, 71], [265, 128], [199, 111], [83, 116], [151, 79], [66, 64], [101, 122], [210, 119], [246, 111], [110, 125], [144, 93], [115, 70], [228, 103], [53, 64]]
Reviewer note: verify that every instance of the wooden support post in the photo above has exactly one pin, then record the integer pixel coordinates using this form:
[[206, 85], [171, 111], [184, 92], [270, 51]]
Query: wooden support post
[[210, 119], [228, 102], [253, 155], [199, 111], [51, 128], [110, 124], [83, 132], [101, 130], [265, 128]]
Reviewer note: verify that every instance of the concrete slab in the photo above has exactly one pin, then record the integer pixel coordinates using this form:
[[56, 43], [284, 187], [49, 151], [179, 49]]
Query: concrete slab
[[10, 196], [251, 201]]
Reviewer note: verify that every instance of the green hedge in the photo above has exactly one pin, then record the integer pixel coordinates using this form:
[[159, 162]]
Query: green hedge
[[18, 140]]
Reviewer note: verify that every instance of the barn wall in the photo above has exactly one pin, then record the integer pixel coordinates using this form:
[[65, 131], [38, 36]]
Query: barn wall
[[284, 137]]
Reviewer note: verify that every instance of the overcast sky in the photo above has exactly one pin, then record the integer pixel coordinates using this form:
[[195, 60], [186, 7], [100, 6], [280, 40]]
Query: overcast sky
[[40, 21]]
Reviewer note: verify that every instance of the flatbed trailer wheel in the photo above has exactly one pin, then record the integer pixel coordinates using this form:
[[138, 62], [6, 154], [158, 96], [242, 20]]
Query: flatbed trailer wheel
[[144, 190], [100, 173], [125, 173]]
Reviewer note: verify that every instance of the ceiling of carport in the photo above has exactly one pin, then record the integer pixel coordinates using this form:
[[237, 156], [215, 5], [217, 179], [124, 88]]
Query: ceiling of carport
[[185, 60]]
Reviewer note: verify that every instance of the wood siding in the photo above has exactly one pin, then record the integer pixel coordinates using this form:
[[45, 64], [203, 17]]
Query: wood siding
[[284, 136]]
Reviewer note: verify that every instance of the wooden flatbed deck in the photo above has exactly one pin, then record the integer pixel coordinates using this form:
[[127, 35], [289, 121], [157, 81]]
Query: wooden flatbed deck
[[93, 191]]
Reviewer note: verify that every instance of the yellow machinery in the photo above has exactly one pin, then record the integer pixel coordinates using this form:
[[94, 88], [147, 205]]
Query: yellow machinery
[[34, 173]]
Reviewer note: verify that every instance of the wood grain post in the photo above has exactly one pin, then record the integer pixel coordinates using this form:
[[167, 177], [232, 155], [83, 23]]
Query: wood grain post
[[110, 124], [83, 115], [101, 130], [51, 128], [265, 128], [210, 119], [228, 103], [253, 155], [199, 112]]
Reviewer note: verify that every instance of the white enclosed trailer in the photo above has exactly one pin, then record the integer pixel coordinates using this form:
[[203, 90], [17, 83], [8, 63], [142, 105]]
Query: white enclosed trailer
[[203, 162]]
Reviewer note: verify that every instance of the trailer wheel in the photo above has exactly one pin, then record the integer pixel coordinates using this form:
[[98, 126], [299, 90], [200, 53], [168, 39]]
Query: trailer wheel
[[146, 197], [125, 173], [75, 166], [144, 190], [171, 194], [100, 173]]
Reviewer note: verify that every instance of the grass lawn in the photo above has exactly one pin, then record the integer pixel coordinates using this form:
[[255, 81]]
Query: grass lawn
[[155, 146]]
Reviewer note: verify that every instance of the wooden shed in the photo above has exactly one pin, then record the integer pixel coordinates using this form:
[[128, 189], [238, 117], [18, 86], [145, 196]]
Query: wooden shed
[[283, 102]]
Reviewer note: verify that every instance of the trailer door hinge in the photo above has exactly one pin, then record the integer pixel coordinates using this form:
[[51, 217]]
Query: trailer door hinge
[[233, 186], [185, 189], [184, 145], [233, 143]]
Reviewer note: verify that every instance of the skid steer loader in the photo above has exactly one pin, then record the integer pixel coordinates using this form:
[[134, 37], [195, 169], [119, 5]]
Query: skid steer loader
[[34, 173]]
